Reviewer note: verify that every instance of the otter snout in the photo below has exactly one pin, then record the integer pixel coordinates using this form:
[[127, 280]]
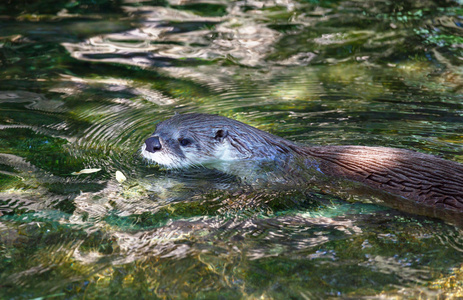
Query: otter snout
[[153, 144]]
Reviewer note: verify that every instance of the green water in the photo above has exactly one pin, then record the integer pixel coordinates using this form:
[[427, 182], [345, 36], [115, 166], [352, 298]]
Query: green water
[[83, 83]]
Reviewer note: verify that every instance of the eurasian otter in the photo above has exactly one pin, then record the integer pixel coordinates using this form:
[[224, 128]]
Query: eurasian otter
[[197, 139]]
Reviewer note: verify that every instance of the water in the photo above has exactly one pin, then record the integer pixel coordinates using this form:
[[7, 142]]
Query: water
[[83, 83]]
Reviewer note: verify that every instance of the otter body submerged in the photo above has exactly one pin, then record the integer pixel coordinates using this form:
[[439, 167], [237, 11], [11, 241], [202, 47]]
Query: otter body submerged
[[198, 139]]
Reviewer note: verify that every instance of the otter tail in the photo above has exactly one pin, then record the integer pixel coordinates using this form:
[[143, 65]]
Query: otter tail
[[419, 177]]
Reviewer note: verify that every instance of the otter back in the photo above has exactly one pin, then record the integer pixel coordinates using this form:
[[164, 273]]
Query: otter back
[[420, 177]]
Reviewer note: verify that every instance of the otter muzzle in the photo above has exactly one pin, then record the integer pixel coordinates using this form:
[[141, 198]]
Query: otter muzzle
[[153, 144]]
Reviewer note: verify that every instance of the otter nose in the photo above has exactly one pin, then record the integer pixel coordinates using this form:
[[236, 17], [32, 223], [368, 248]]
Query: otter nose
[[153, 144]]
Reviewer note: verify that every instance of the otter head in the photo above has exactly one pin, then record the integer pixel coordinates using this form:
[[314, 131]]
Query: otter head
[[190, 139], [197, 139]]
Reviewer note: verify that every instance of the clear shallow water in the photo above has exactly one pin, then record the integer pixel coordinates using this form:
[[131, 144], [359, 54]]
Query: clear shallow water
[[82, 84]]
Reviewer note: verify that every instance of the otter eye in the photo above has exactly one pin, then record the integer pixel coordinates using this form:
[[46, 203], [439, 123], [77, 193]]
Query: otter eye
[[184, 142]]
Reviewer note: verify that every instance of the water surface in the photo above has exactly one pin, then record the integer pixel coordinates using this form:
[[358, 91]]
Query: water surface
[[83, 83]]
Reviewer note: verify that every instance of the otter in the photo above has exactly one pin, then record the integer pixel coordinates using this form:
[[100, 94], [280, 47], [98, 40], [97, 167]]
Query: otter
[[193, 139]]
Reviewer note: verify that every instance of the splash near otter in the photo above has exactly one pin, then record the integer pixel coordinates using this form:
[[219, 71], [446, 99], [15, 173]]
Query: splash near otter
[[201, 139]]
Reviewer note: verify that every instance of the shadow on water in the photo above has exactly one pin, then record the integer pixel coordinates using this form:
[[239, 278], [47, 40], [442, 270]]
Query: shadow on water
[[83, 84]]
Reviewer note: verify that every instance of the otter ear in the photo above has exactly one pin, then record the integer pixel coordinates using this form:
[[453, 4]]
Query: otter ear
[[221, 134]]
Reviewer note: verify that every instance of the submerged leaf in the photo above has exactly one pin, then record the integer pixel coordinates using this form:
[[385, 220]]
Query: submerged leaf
[[120, 177], [86, 171]]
